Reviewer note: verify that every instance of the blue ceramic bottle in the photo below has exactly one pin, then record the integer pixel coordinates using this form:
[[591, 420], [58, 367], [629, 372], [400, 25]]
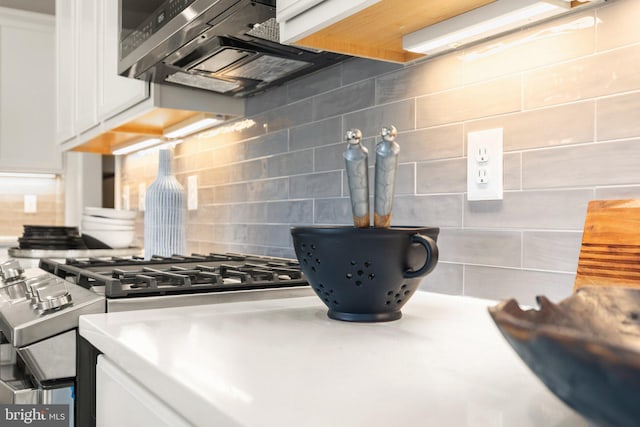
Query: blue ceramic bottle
[[165, 212]]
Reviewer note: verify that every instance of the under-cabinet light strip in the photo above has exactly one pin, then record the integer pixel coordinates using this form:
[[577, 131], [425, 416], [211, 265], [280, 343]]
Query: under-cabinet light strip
[[137, 146], [193, 127], [486, 21]]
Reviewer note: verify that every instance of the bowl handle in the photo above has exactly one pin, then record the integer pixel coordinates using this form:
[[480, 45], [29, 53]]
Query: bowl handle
[[432, 256]]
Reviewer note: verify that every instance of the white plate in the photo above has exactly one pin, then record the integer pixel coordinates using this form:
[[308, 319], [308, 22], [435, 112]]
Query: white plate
[[87, 227], [110, 213], [96, 220]]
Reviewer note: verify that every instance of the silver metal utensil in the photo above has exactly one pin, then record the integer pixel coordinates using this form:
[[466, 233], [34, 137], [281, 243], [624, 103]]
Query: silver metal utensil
[[357, 166], [386, 165]]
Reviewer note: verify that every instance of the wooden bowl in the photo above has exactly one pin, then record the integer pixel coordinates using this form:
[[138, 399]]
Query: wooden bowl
[[586, 349]]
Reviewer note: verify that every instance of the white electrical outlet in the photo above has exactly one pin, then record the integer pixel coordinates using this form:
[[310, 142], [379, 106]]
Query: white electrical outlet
[[142, 192], [192, 192], [484, 165], [30, 203]]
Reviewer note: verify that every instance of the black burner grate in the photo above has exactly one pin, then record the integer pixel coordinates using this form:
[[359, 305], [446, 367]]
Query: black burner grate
[[128, 277]]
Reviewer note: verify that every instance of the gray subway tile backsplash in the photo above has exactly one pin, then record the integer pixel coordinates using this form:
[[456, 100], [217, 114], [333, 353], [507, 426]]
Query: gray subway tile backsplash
[[324, 184], [578, 166], [333, 211], [357, 69], [290, 212], [370, 121], [446, 278], [420, 79], [618, 117], [469, 102], [316, 134], [499, 248], [523, 285], [313, 84], [431, 144], [565, 92], [602, 74], [546, 127], [548, 250], [562, 209], [344, 100]]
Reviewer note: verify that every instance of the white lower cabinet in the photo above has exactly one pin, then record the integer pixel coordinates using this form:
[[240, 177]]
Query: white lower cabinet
[[121, 401]]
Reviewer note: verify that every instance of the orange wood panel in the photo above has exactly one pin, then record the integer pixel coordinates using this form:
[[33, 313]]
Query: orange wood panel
[[376, 32]]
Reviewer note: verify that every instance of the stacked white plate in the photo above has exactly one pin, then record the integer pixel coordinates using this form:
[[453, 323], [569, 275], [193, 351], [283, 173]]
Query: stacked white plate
[[113, 227]]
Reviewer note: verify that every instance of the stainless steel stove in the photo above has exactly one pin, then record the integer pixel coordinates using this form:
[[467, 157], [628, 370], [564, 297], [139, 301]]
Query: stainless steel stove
[[43, 357]]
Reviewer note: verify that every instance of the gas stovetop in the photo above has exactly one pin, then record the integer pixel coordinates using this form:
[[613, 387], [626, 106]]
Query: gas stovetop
[[118, 277]]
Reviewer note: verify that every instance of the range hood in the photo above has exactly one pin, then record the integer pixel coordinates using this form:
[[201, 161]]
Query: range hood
[[229, 47]]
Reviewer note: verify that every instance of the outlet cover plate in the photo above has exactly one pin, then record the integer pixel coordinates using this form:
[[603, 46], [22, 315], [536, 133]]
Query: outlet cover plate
[[485, 165]]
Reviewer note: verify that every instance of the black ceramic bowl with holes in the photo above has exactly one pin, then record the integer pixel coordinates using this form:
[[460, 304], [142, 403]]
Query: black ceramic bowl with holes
[[365, 274]]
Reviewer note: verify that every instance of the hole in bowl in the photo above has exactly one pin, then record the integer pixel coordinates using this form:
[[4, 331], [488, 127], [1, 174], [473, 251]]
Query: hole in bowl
[[388, 302], [303, 245], [406, 292], [326, 300], [349, 276], [397, 295], [313, 268], [367, 264], [358, 283], [335, 302], [372, 276], [321, 285], [353, 262], [399, 301], [390, 293], [309, 254], [404, 285], [313, 246], [360, 272], [304, 260], [317, 260]]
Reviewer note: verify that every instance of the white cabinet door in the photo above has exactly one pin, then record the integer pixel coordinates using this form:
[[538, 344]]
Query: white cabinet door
[[300, 18], [123, 402], [86, 76], [116, 93], [65, 70], [27, 93]]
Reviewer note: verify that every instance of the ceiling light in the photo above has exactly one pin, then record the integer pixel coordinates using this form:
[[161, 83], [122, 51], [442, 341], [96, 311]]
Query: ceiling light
[[483, 22], [137, 146], [192, 125]]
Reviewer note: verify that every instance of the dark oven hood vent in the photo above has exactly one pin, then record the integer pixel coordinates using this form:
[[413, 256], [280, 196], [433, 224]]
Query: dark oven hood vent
[[228, 47]]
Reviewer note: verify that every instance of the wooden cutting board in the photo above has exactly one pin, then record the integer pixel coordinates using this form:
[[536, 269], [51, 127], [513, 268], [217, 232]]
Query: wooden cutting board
[[610, 251]]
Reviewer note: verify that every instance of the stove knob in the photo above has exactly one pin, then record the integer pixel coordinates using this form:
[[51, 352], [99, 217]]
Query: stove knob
[[33, 283], [11, 270], [51, 295], [13, 291]]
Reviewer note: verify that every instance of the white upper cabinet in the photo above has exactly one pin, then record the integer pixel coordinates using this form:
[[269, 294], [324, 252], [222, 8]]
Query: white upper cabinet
[[65, 75], [116, 93], [86, 45], [89, 89], [27, 93]]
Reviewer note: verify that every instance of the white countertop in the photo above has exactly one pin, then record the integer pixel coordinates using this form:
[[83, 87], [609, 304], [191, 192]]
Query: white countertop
[[285, 363]]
